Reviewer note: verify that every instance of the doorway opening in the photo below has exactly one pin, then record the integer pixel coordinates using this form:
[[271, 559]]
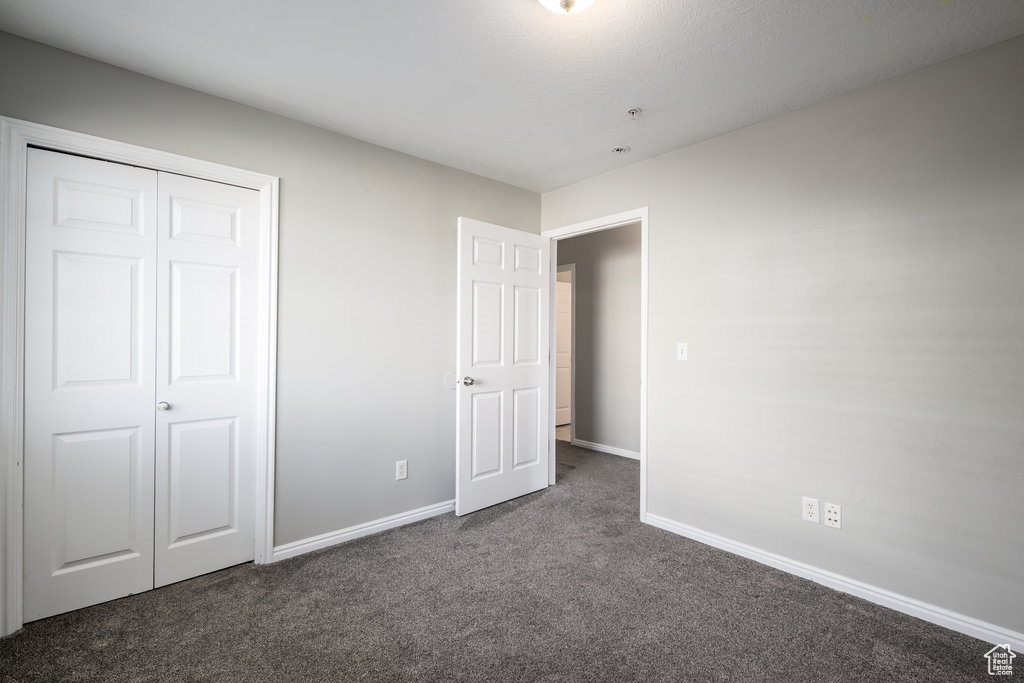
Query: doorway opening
[[603, 424], [564, 322]]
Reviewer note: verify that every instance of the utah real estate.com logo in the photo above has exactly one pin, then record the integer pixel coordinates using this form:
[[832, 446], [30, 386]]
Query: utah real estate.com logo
[[1000, 661]]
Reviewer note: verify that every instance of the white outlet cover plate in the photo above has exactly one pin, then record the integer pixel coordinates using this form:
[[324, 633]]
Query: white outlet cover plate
[[833, 515], [401, 469], [681, 351], [809, 508]]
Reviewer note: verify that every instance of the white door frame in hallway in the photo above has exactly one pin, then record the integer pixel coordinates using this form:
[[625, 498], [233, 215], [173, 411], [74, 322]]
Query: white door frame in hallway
[[595, 225], [15, 139]]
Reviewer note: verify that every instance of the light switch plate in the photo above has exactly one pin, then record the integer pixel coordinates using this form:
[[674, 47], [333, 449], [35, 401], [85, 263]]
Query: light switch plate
[[681, 351]]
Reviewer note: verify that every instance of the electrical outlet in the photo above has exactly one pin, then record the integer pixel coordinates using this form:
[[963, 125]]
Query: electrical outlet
[[401, 469], [833, 515], [681, 351], [810, 510]]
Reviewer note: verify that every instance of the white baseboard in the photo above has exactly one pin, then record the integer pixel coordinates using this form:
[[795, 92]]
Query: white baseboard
[[600, 447], [901, 603], [312, 543]]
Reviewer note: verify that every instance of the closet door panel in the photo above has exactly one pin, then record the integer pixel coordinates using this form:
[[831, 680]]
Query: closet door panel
[[90, 352], [207, 320]]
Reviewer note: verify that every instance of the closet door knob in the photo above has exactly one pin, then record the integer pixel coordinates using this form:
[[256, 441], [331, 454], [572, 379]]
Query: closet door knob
[[163, 405], [468, 381]]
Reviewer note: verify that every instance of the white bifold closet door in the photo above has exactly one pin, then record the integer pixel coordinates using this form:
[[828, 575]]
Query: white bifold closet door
[[141, 309]]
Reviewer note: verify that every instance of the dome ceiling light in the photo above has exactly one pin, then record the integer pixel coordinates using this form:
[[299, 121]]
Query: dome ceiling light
[[566, 6]]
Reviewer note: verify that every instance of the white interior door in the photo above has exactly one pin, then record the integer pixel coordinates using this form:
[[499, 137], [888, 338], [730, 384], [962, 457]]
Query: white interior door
[[207, 327], [563, 351], [502, 339], [89, 382]]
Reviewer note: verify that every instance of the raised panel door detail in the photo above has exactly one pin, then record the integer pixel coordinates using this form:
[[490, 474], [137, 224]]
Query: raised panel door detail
[[487, 441], [502, 348], [89, 377], [96, 319], [203, 479], [204, 337], [527, 259], [95, 475], [97, 207], [488, 319], [527, 322], [141, 286], [488, 253], [526, 426], [209, 254], [204, 221]]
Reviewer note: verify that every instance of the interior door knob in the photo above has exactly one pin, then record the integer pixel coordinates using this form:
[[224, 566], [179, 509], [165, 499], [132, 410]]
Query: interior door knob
[[468, 381], [163, 405]]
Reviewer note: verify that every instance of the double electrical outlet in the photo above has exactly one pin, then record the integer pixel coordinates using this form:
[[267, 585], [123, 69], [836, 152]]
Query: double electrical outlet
[[833, 513]]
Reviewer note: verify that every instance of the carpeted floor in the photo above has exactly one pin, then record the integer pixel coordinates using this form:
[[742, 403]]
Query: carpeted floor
[[562, 585]]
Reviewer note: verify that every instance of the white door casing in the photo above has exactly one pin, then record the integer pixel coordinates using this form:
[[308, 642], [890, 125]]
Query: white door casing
[[89, 381], [207, 320], [595, 225], [563, 352], [503, 347]]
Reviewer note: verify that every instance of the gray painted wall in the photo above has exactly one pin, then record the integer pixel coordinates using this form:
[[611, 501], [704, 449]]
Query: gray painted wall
[[607, 398], [848, 277], [361, 350]]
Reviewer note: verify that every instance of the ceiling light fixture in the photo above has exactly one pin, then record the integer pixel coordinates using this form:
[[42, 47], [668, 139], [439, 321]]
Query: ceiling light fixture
[[566, 6]]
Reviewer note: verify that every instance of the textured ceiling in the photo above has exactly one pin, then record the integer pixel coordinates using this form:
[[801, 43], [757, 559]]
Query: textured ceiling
[[508, 90]]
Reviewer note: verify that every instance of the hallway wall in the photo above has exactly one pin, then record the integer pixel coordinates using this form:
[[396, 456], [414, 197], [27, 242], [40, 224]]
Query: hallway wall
[[607, 348]]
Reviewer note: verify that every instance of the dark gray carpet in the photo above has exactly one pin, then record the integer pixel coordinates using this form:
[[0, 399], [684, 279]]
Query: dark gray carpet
[[562, 585]]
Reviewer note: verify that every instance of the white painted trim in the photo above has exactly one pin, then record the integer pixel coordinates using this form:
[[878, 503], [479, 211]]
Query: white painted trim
[[307, 545], [644, 294], [937, 615], [15, 138], [597, 224], [263, 550], [12, 386], [611, 450], [594, 225]]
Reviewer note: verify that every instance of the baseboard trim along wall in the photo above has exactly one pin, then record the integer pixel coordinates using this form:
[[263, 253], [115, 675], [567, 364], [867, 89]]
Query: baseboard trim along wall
[[306, 545], [600, 447], [901, 603]]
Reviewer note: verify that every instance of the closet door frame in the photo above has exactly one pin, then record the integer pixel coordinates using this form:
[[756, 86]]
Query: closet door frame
[[15, 138]]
